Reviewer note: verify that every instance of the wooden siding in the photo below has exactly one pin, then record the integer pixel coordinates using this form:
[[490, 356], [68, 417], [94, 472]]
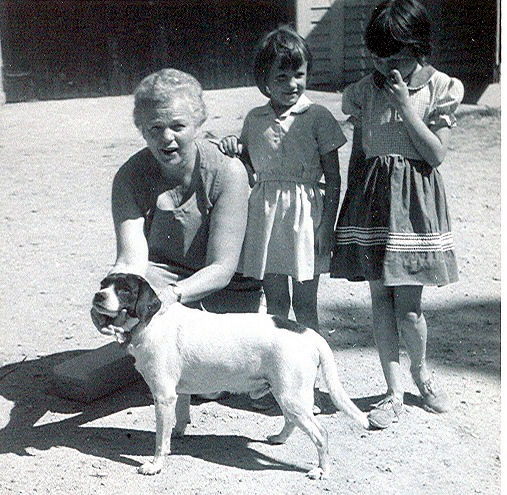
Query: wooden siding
[[356, 59], [320, 23], [70, 48], [464, 35]]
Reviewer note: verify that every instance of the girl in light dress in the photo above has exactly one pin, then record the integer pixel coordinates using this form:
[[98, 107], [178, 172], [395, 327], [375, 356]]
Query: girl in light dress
[[288, 144]]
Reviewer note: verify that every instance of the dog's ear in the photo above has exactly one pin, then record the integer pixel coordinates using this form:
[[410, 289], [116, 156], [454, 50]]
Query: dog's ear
[[147, 303]]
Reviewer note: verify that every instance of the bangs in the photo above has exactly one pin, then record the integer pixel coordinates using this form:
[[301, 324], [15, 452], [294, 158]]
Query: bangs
[[397, 24], [291, 57], [382, 38]]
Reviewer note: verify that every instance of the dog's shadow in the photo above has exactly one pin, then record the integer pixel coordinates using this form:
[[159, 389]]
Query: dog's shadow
[[39, 420], [36, 419]]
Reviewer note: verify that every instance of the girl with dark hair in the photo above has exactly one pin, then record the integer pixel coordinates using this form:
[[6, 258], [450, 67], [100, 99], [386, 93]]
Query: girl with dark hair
[[394, 227], [289, 143]]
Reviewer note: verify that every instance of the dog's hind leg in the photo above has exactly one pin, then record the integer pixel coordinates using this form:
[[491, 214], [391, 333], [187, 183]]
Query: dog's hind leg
[[282, 437], [182, 415], [318, 435]]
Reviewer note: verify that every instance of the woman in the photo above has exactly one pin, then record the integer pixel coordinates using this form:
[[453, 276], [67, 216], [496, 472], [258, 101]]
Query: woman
[[179, 205]]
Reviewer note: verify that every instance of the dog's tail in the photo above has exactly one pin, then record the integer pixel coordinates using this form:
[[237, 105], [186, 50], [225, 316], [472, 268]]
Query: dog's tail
[[337, 393]]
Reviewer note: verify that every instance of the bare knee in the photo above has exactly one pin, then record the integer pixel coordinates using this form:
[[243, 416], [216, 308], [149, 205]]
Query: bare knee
[[409, 319]]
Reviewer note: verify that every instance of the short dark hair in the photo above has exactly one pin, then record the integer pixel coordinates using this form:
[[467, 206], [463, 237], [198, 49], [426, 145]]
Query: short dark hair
[[397, 24], [283, 43]]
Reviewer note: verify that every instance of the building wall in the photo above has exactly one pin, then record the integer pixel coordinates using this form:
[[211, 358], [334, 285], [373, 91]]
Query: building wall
[[465, 35], [69, 48]]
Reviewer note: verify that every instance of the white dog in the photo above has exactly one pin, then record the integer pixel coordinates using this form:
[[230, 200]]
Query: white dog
[[182, 351]]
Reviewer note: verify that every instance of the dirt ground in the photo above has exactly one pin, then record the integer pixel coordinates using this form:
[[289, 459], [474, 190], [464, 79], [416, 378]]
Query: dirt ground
[[58, 160]]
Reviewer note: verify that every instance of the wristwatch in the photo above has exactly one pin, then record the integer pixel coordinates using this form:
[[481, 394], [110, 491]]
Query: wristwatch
[[177, 292]]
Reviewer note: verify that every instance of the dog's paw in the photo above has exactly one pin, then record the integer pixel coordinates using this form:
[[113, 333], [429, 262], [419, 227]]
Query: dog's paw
[[277, 439], [317, 474], [150, 468]]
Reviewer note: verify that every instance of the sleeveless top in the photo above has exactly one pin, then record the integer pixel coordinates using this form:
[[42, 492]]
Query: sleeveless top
[[177, 235]]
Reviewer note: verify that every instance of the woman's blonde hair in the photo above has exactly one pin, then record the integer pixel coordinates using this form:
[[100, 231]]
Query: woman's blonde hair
[[161, 88]]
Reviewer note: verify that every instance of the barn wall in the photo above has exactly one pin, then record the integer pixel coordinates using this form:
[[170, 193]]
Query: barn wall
[[465, 39], [70, 48]]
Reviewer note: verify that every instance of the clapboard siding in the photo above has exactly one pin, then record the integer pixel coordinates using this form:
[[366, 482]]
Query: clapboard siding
[[68, 48], [356, 59], [464, 39], [317, 22]]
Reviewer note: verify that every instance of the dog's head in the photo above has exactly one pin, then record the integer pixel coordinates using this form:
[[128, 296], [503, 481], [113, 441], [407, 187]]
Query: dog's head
[[133, 293]]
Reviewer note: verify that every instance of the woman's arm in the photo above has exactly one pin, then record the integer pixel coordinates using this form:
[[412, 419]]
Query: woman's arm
[[325, 233], [226, 233], [131, 244], [432, 146]]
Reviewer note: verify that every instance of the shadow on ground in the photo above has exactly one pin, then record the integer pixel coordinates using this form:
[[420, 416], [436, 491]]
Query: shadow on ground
[[27, 385], [463, 335]]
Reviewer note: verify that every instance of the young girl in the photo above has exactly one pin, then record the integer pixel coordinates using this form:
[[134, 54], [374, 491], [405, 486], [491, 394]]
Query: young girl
[[289, 143], [394, 227]]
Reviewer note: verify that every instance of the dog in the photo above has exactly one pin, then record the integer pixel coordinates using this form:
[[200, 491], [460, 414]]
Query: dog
[[181, 351]]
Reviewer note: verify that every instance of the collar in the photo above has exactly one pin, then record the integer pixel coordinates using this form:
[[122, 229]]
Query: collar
[[301, 106], [414, 81]]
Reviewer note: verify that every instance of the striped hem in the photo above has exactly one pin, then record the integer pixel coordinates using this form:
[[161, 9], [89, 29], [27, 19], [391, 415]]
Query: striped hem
[[394, 241]]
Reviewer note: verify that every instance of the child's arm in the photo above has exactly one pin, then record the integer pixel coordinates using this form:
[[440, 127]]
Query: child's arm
[[325, 232], [232, 146], [357, 155], [431, 145]]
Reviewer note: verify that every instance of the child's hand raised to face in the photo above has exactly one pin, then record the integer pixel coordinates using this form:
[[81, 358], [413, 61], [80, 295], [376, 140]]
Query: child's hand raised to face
[[397, 89]]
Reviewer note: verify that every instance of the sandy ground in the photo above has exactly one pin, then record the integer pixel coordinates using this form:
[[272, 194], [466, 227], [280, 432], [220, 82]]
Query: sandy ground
[[58, 160]]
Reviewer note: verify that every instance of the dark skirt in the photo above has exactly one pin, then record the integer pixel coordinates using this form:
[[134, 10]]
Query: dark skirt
[[394, 225]]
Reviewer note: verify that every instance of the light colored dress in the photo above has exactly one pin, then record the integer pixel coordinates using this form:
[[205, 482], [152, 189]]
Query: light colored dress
[[394, 224], [286, 202]]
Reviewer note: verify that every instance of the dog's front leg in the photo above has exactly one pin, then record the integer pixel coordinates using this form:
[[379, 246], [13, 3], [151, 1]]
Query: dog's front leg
[[164, 416], [182, 415]]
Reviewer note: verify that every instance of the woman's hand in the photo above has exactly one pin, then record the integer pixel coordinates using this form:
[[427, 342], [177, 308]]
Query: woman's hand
[[167, 296], [397, 89], [107, 325], [230, 146]]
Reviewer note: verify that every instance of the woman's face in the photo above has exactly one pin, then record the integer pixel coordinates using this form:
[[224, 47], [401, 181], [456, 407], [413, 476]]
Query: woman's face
[[285, 86], [402, 61], [170, 132]]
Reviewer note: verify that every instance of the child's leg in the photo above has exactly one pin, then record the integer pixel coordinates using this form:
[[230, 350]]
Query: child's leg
[[304, 302], [386, 336], [276, 290], [412, 325]]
